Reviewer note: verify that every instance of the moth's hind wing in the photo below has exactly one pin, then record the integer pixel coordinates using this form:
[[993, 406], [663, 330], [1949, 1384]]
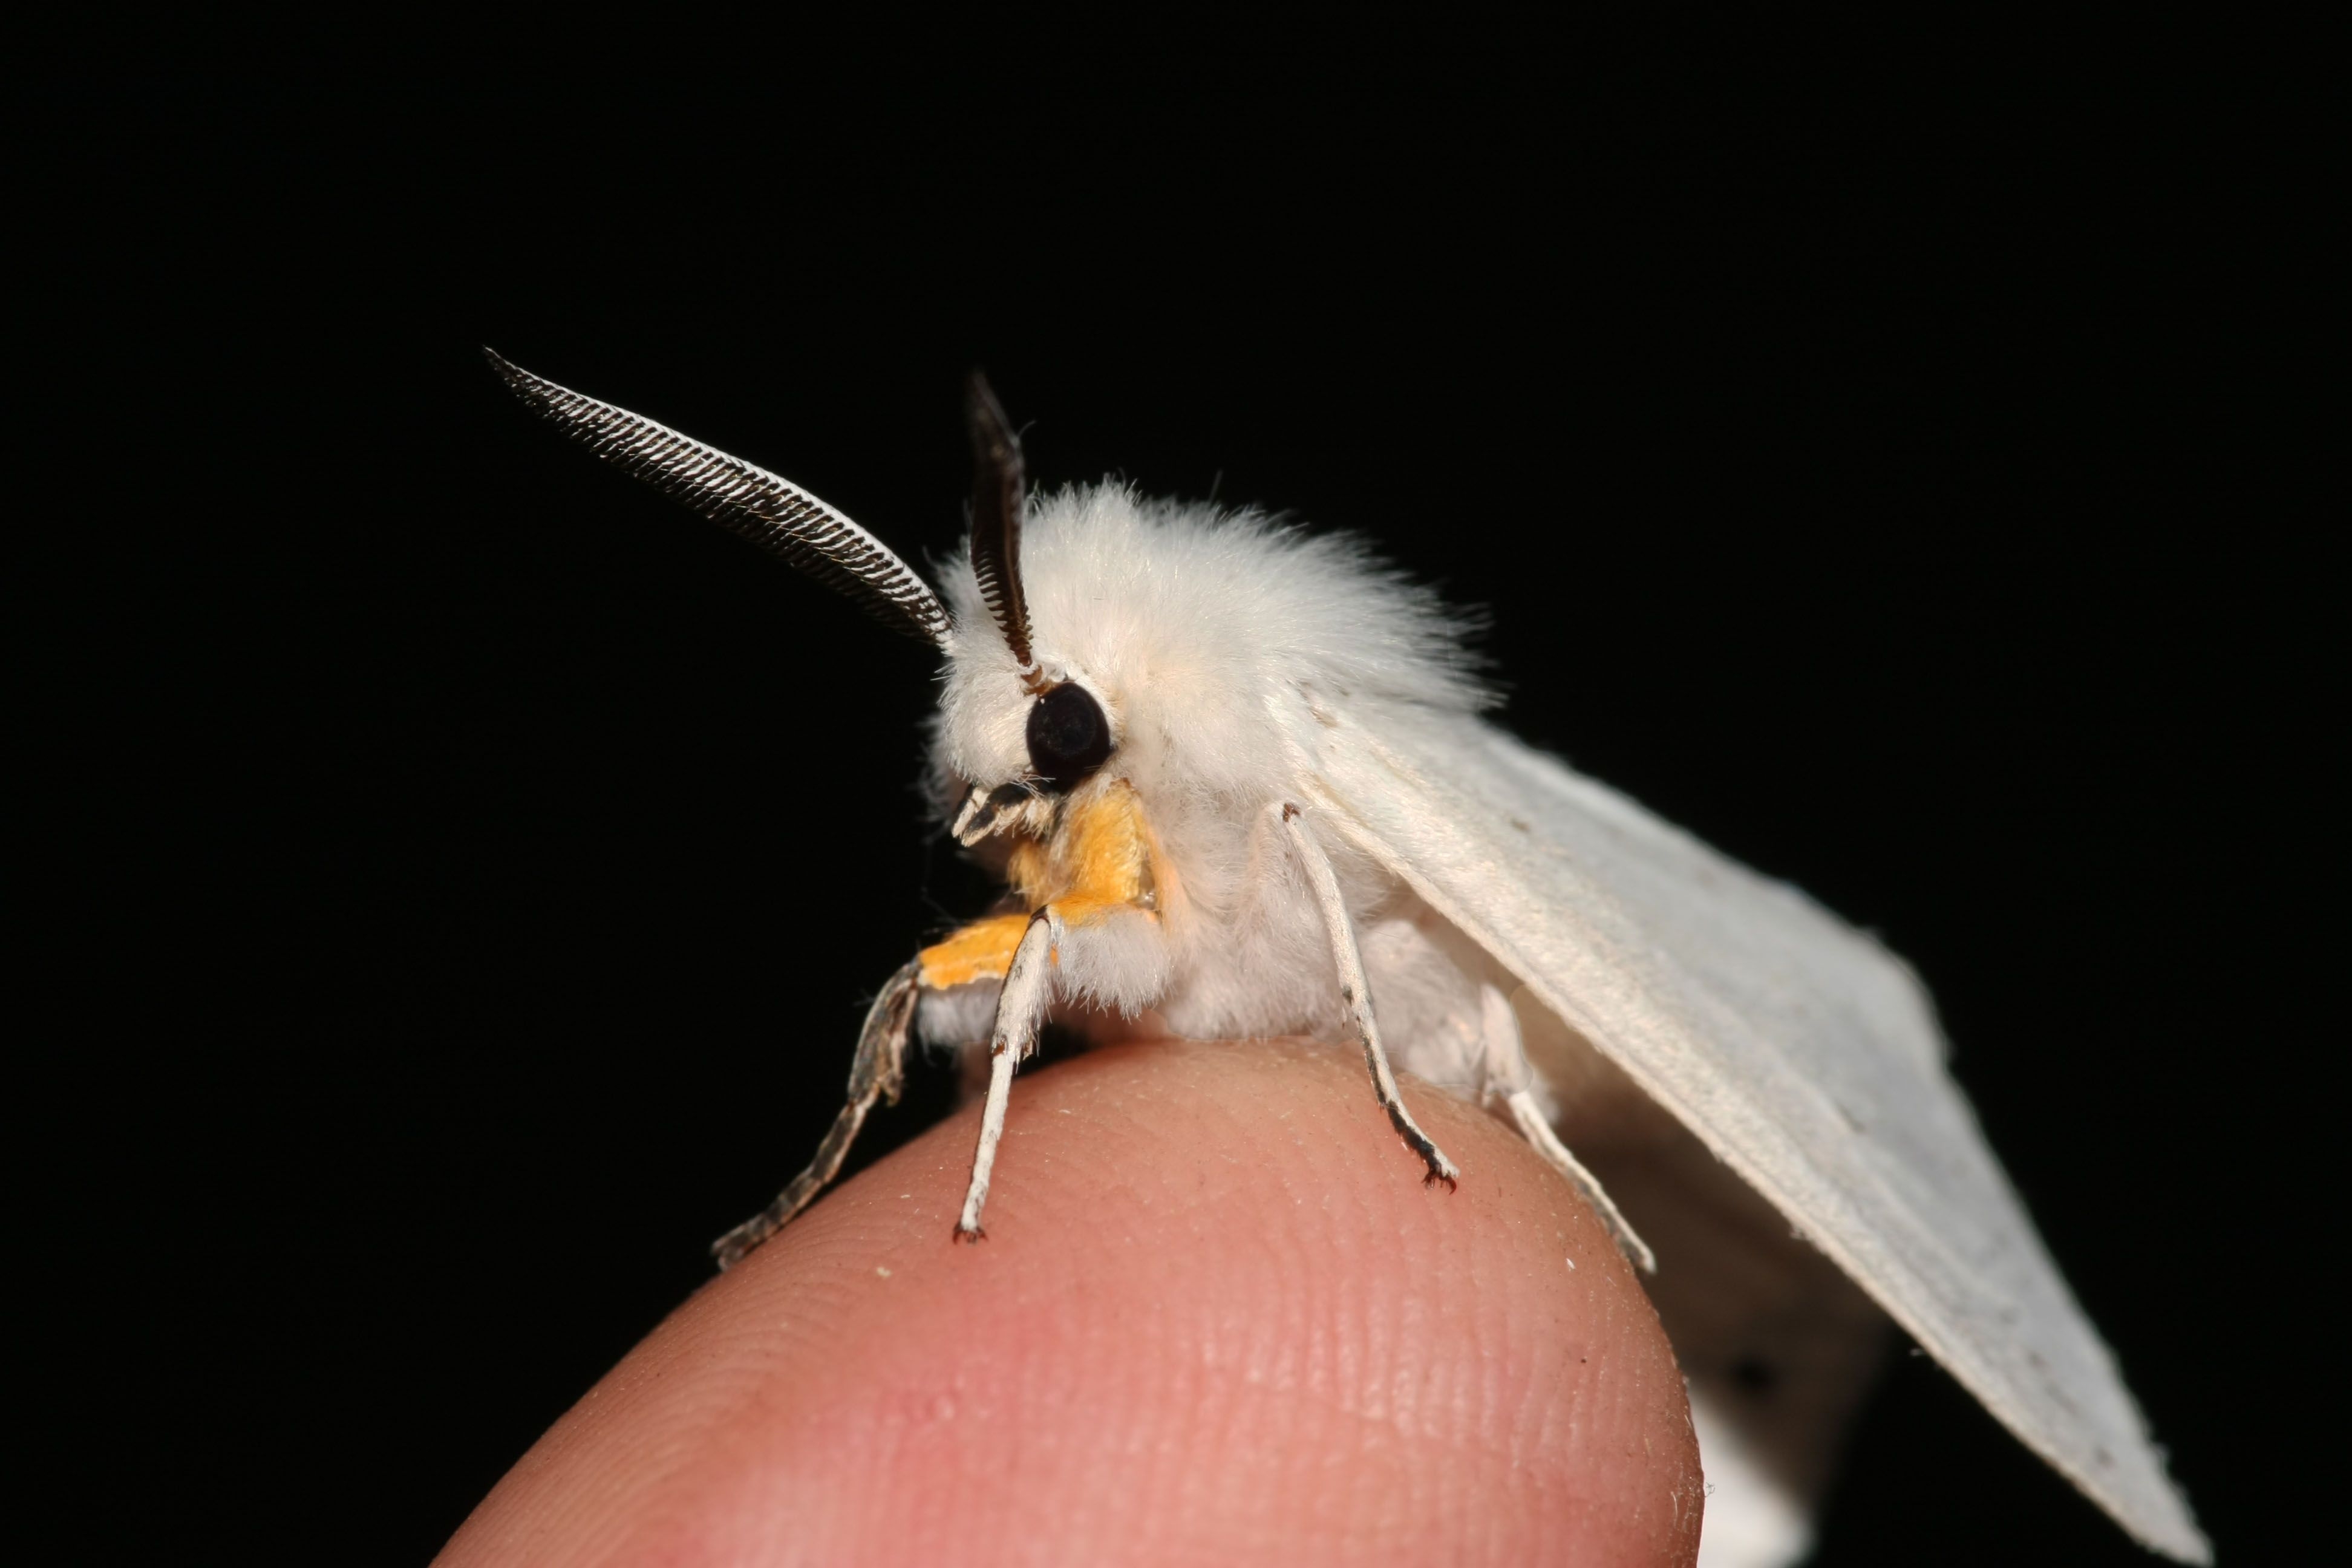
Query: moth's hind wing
[[1797, 1049]]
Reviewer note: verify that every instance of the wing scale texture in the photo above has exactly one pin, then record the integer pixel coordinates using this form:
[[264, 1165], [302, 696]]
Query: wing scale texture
[[1796, 1047]]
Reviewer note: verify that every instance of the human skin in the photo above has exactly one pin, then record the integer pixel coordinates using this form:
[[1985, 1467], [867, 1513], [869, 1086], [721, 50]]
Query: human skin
[[1217, 1319]]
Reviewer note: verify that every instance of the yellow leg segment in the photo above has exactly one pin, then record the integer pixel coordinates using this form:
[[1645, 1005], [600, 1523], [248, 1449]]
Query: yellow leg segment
[[1101, 861], [981, 950]]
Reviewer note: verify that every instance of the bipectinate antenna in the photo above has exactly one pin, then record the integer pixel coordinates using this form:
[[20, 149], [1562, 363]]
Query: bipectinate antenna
[[775, 514], [998, 497]]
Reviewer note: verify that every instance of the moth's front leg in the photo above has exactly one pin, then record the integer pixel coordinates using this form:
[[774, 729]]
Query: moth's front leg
[[1020, 1003], [1095, 937], [981, 950], [877, 1073], [1094, 946]]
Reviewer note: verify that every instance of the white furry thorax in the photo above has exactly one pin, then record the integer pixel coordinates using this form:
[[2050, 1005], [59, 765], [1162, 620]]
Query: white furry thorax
[[1189, 625], [1185, 621]]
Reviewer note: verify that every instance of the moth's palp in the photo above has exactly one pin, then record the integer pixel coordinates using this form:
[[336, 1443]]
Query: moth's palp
[[981, 809], [987, 811]]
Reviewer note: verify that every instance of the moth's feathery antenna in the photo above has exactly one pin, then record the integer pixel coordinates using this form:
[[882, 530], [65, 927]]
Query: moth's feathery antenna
[[998, 497], [773, 513]]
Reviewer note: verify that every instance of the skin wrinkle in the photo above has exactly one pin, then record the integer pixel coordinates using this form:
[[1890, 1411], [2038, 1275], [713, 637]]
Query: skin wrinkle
[[1219, 1319], [1427, 1375]]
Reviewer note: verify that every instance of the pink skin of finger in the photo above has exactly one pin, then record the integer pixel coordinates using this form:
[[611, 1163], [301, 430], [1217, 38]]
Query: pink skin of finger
[[1217, 1317]]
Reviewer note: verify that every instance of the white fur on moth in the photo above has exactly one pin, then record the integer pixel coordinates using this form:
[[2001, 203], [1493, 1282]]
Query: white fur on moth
[[1238, 777]]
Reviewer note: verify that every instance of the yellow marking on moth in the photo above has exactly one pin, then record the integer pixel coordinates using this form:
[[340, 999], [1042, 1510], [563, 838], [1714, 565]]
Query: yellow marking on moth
[[1028, 871], [981, 950], [1101, 860]]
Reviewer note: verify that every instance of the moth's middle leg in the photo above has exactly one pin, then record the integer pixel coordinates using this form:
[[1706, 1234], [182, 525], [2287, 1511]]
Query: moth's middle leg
[[1357, 994]]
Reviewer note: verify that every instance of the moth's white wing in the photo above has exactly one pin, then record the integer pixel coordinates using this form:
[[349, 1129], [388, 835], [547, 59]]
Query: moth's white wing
[[1802, 1052]]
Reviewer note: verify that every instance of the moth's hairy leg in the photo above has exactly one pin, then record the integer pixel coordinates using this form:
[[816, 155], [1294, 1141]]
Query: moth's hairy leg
[[1512, 1076], [1529, 1117], [981, 950], [1098, 868], [1357, 994], [878, 1072], [1020, 1004]]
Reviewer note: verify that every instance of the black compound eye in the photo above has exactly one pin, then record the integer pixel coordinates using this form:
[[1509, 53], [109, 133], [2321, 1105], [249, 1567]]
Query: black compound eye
[[1068, 736]]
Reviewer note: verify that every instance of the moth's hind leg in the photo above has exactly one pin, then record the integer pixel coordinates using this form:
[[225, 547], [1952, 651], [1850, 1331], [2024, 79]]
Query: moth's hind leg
[[1529, 1118], [877, 1073], [1510, 1077]]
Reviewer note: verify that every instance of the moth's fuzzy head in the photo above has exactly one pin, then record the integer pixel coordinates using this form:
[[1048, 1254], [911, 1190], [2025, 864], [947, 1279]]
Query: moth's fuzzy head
[[1184, 623]]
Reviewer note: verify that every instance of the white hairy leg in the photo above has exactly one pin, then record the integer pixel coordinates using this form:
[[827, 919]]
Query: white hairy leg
[[1509, 1073], [878, 1072], [1357, 995], [1020, 1004]]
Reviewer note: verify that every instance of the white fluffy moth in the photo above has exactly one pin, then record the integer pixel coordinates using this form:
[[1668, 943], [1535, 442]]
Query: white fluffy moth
[[1237, 776]]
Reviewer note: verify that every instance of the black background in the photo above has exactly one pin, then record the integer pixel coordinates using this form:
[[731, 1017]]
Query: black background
[[457, 874]]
